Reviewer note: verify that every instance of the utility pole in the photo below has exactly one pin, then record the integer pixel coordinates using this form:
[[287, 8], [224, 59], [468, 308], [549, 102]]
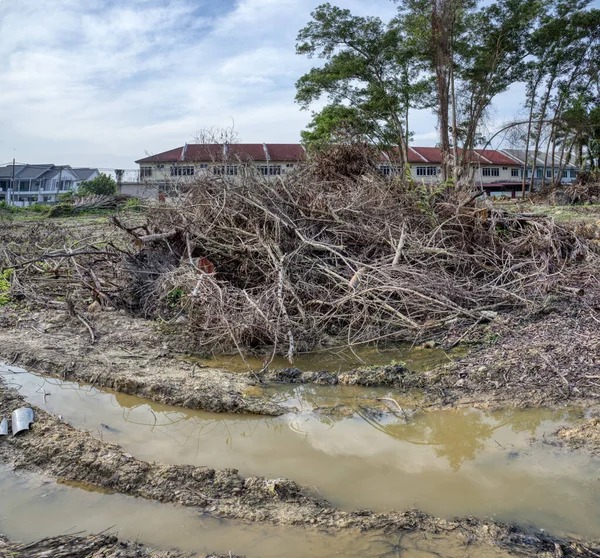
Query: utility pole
[[12, 184], [58, 185]]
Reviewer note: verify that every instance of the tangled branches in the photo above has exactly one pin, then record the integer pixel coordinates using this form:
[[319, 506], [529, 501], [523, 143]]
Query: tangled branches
[[296, 263]]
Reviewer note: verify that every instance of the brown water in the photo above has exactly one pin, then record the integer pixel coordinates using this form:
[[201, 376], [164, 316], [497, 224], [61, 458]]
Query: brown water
[[447, 463], [33, 507], [416, 358]]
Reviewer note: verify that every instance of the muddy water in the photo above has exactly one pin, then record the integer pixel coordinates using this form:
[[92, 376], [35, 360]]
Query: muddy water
[[32, 507], [416, 358], [450, 463]]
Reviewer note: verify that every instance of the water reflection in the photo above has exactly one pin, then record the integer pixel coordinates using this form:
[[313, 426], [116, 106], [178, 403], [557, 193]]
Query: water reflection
[[419, 359]]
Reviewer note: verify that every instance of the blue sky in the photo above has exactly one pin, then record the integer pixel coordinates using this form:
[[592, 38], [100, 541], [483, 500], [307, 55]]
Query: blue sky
[[103, 82]]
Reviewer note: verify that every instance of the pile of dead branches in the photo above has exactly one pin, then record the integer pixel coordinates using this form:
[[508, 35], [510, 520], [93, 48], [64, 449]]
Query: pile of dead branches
[[292, 263], [295, 263]]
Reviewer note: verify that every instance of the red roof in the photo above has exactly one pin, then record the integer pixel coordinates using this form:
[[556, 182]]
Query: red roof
[[286, 152], [170, 156], [294, 152], [431, 155], [495, 157]]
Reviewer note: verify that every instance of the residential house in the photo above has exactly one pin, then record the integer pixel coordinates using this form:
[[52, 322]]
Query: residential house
[[24, 185], [544, 167], [498, 172], [180, 165]]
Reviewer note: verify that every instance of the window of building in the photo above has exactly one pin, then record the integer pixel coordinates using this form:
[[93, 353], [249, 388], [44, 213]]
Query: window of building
[[145, 172], [493, 171], [203, 165], [230, 170], [182, 171], [548, 173], [538, 173], [23, 185], [573, 173], [385, 170], [269, 170], [565, 174], [514, 172], [3, 185], [289, 165], [426, 171]]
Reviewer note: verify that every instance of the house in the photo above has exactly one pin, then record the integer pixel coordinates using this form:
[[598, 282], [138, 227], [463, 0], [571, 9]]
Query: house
[[24, 185], [85, 174], [180, 164], [544, 167], [498, 172], [495, 172]]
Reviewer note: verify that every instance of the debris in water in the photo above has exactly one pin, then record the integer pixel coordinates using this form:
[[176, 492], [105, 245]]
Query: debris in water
[[21, 419]]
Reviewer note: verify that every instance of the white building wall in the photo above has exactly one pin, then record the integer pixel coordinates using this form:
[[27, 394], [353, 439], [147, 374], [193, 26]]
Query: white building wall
[[161, 172]]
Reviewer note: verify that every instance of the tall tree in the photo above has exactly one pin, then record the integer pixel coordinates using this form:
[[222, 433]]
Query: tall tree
[[369, 72], [475, 53]]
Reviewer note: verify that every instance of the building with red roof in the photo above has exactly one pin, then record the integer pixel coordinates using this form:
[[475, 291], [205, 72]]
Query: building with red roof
[[498, 172]]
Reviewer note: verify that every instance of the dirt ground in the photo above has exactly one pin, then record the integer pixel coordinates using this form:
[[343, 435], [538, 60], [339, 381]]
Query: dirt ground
[[583, 436], [90, 546], [129, 356], [54, 448], [551, 357], [545, 356]]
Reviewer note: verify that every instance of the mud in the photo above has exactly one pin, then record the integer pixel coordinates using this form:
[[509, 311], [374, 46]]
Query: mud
[[519, 360], [379, 460], [90, 546], [584, 436], [130, 356], [54, 448]]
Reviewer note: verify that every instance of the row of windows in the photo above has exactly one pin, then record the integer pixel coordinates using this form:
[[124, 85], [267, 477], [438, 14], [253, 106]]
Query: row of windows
[[146, 172], [267, 170], [385, 170], [490, 171]]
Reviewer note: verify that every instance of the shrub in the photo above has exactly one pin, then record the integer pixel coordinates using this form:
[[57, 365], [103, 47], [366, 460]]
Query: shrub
[[61, 210], [102, 185], [5, 286]]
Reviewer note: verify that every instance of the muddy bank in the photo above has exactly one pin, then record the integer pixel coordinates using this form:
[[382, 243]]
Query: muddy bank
[[584, 436], [54, 448], [90, 546], [547, 358], [129, 355]]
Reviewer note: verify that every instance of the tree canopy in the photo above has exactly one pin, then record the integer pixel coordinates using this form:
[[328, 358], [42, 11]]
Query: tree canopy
[[453, 56]]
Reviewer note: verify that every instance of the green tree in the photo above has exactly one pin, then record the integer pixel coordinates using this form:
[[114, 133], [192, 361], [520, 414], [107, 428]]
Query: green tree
[[475, 53], [370, 77], [102, 185]]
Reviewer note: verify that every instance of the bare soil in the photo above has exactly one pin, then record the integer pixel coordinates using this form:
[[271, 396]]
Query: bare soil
[[90, 546], [584, 436], [551, 357], [129, 355]]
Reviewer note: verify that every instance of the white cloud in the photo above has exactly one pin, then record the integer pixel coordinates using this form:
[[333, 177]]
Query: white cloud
[[102, 85]]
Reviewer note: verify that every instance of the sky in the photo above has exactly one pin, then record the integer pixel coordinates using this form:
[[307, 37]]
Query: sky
[[102, 83]]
